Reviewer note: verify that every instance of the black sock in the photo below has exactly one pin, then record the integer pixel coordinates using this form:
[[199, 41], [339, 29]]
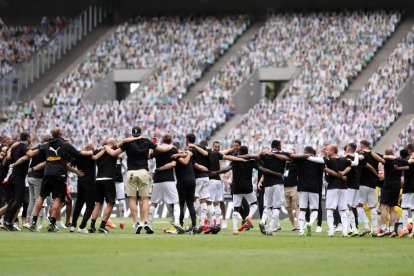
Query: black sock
[[103, 224], [34, 220], [93, 221], [53, 221]]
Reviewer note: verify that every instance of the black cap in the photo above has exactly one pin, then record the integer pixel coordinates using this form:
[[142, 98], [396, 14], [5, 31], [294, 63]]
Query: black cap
[[136, 131]]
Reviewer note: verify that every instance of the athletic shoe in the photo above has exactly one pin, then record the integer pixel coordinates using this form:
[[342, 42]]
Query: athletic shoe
[[92, 230], [403, 233], [338, 228], [33, 228], [103, 230], [148, 228], [60, 225], [345, 235], [138, 228], [308, 229], [16, 226], [393, 234], [235, 232], [209, 230], [411, 235], [198, 230], [294, 229], [216, 229], [72, 229], [354, 233], [82, 231], [262, 228], [224, 224], [269, 233], [301, 233], [122, 225], [179, 228], [383, 233], [244, 226], [110, 224], [52, 228], [27, 225], [364, 232], [319, 229], [331, 233]]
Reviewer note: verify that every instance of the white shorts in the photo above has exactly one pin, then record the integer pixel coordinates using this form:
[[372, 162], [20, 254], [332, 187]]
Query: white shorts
[[307, 199], [336, 198], [237, 199], [216, 190], [352, 197], [274, 196], [201, 189], [367, 196], [407, 201], [164, 191], [120, 190]]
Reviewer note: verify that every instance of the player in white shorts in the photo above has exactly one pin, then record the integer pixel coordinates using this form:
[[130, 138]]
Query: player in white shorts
[[164, 187]]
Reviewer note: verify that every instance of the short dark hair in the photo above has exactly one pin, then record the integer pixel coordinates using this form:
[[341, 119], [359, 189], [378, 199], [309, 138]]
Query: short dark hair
[[404, 153], [216, 142], [190, 138], [365, 143], [243, 150], [410, 147], [237, 141], [177, 145], [166, 139], [275, 144], [309, 149], [24, 136], [204, 143], [353, 146]]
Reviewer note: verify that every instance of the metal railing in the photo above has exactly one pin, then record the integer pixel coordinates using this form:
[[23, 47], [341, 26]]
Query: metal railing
[[24, 74]]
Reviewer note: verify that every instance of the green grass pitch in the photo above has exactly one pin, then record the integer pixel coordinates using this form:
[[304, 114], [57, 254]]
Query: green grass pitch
[[250, 253]]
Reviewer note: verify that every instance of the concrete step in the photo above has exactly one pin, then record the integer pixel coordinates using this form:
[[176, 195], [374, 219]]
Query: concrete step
[[391, 135], [198, 87]]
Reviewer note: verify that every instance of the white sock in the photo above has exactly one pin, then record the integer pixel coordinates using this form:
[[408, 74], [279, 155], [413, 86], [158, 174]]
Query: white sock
[[235, 220], [253, 209], [374, 219], [351, 219], [345, 222], [197, 207], [404, 219], [177, 213], [203, 213], [363, 217], [313, 217], [151, 214], [210, 214], [274, 223], [267, 212], [217, 212], [302, 218], [412, 218], [330, 220], [392, 227], [122, 207]]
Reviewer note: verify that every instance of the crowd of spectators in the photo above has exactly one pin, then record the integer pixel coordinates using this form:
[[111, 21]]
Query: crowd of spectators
[[405, 138]]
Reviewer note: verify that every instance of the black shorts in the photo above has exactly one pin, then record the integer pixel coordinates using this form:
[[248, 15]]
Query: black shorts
[[55, 184], [105, 189], [26, 195], [390, 197]]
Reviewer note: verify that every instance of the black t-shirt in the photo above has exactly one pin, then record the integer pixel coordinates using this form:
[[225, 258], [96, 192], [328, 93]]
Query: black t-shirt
[[242, 176], [274, 164], [162, 158], [409, 179], [185, 174], [291, 180], [88, 166], [118, 171], [214, 158], [58, 153], [16, 153], [368, 178], [201, 160], [337, 164], [310, 175], [106, 165], [37, 159], [392, 177], [354, 175], [137, 153]]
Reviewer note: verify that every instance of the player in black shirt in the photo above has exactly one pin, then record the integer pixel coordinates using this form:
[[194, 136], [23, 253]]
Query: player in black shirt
[[137, 150], [367, 194], [242, 186], [86, 189], [391, 191], [16, 181], [106, 158], [407, 199], [164, 187]]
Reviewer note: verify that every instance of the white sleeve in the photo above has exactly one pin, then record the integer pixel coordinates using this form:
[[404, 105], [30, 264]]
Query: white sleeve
[[356, 160], [315, 159]]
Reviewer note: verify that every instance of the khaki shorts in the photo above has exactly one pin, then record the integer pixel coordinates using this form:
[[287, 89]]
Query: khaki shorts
[[291, 197], [137, 180]]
